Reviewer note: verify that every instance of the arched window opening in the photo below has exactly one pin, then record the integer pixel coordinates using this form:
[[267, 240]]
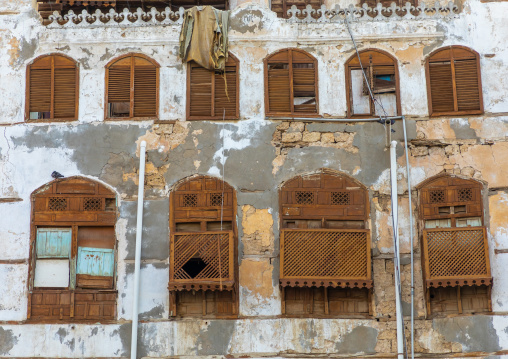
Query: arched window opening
[[73, 252], [381, 73], [291, 84], [203, 249], [454, 246], [132, 87], [53, 92], [325, 246], [213, 95], [454, 82]]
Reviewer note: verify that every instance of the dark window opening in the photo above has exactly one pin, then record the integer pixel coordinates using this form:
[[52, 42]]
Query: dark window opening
[[194, 266]]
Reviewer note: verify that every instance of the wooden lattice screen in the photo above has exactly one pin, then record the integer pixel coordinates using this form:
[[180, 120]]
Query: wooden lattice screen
[[215, 249], [325, 257], [456, 256], [324, 242]]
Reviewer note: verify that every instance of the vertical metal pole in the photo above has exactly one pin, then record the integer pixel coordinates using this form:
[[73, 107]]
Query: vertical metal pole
[[396, 261], [137, 258], [408, 175]]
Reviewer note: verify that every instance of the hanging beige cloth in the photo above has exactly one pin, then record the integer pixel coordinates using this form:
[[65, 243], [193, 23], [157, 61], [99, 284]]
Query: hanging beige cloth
[[204, 37]]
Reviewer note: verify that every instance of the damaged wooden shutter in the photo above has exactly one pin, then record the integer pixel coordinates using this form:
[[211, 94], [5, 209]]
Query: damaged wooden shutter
[[226, 101], [291, 85], [96, 257], [454, 82], [53, 89], [119, 84], [132, 88], [212, 94]]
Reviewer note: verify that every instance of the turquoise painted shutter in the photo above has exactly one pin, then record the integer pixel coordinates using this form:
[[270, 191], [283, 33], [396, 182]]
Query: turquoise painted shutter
[[54, 242], [96, 261]]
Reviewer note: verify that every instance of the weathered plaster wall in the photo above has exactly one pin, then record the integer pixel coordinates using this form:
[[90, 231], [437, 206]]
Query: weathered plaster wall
[[255, 156]]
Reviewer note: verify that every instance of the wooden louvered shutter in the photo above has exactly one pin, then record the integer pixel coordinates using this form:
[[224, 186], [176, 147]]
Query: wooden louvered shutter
[[304, 85], [441, 85], [222, 100], [145, 91], [200, 91], [466, 81], [454, 82], [279, 91], [65, 93], [40, 90], [119, 84], [52, 88]]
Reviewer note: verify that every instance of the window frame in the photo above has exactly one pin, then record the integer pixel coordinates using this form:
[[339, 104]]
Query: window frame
[[292, 113], [349, 67], [202, 204], [27, 90], [323, 200], [132, 89], [44, 217], [455, 98], [213, 117], [475, 209]]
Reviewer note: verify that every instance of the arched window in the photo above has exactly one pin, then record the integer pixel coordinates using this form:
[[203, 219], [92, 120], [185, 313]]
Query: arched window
[[281, 7], [291, 78], [52, 89], [454, 246], [73, 251], [213, 94], [325, 260], [381, 73], [203, 267], [454, 82], [132, 87]]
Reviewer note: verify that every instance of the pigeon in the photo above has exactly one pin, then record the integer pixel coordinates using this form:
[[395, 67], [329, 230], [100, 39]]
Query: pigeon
[[55, 174]]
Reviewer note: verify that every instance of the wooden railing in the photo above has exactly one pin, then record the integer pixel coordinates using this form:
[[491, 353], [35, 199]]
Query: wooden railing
[[325, 257], [215, 250], [456, 256]]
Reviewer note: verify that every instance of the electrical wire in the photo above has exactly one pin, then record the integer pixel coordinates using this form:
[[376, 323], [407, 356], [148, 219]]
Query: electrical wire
[[374, 100], [382, 119]]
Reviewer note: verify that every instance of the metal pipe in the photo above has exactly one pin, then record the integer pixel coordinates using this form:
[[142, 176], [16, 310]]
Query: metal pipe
[[396, 262], [408, 175], [137, 258]]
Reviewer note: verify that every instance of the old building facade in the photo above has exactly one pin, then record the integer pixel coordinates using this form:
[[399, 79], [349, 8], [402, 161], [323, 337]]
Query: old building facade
[[267, 227]]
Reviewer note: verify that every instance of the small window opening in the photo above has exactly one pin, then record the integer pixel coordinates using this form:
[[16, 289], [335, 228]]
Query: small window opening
[[444, 210], [110, 204], [188, 227], [119, 109], [216, 226], [194, 266], [459, 209]]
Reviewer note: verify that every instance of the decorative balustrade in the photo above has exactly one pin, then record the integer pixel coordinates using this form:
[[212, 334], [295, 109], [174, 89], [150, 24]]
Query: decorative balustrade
[[456, 256], [307, 15], [202, 260], [325, 257]]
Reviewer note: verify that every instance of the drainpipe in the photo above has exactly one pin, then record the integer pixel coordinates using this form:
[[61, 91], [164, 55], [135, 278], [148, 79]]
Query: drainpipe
[[137, 258], [396, 262], [409, 192]]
